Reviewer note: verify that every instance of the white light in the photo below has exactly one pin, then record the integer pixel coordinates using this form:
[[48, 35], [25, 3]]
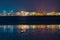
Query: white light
[[26, 14], [48, 26], [22, 11], [48, 14]]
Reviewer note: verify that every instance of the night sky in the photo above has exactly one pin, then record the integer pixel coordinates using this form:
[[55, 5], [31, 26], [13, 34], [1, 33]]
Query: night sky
[[30, 5]]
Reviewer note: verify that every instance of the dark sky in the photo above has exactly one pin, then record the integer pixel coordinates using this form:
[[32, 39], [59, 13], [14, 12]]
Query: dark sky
[[30, 5]]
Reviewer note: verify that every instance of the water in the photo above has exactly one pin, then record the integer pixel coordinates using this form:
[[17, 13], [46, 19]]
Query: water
[[13, 33]]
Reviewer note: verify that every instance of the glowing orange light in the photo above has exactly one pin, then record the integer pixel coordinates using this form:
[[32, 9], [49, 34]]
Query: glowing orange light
[[53, 27], [23, 27], [53, 13], [38, 26]]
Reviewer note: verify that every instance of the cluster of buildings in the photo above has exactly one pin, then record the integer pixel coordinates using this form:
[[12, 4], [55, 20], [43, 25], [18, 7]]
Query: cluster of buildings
[[25, 28], [24, 13]]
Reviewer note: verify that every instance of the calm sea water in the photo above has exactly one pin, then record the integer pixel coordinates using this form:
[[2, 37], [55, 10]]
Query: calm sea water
[[29, 34]]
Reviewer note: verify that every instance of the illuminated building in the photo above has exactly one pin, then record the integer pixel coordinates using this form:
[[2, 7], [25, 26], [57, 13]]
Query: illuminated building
[[59, 13], [27, 13], [8, 14], [18, 14], [38, 14], [32, 13], [44, 13], [53, 13], [48, 14], [23, 13]]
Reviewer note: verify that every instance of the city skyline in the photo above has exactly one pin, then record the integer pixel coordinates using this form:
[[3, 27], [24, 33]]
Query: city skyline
[[29, 19]]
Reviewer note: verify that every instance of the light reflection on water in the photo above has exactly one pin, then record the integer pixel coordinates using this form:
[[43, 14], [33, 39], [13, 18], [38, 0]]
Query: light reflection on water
[[31, 32], [29, 28]]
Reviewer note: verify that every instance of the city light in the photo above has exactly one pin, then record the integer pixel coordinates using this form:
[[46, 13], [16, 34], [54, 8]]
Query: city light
[[25, 13]]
